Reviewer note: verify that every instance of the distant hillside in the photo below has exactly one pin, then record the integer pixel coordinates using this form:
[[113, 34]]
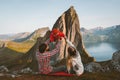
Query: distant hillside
[[92, 35], [5, 36], [109, 34], [114, 34], [23, 36], [19, 35], [34, 35], [14, 36], [38, 33]]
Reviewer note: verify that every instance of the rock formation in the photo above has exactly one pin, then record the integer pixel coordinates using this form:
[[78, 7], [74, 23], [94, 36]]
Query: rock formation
[[116, 61], [68, 23]]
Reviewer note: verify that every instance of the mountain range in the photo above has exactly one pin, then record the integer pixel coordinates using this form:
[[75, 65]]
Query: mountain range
[[23, 36], [100, 34], [34, 35]]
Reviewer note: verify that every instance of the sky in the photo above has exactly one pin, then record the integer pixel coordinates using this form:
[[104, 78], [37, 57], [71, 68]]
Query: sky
[[28, 15]]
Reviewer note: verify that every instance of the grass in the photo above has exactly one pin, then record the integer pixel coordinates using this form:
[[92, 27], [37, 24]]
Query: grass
[[14, 51], [8, 55], [22, 47]]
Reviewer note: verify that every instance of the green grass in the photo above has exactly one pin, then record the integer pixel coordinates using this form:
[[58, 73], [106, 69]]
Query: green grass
[[7, 55], [14, 51], [22, 47]]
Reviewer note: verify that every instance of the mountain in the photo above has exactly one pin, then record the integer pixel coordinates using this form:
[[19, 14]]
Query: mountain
[[92, 35], [34, 35], [5, 36], [19, 35], [38, 33], [114, 34], [85, 31], [68, 23], [100, 34], [23, 36], [14, 36]]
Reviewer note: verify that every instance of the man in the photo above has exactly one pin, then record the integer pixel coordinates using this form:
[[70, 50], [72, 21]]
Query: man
[[43, 57]]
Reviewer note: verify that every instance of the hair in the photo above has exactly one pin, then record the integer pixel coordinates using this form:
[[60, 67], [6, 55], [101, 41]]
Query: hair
[[42, 47], [71, 51]]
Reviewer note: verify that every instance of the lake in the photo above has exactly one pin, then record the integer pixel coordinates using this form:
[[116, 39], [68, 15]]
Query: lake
[[102, 51]]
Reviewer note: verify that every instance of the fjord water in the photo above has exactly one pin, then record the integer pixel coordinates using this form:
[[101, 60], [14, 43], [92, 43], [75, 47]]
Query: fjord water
[[102, 51]]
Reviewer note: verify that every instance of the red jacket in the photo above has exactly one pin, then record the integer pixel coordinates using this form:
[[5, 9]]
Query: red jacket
[[55, 35]]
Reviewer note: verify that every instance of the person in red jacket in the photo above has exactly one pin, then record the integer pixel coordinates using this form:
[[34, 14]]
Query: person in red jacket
[[56, 34]]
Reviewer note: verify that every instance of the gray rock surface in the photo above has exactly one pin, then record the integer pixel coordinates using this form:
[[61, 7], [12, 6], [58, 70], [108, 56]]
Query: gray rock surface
[[3, 69], [105, 66], [26, 70], [116, 60], [93, 67]]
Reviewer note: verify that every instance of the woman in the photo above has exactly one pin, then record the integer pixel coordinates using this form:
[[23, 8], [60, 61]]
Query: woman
[[74, 60]]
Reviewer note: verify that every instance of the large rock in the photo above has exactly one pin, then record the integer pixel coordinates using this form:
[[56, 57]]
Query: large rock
[[93, 67], [116, 60], [26, 70], [3, 69], [68, 23], [105, 66]]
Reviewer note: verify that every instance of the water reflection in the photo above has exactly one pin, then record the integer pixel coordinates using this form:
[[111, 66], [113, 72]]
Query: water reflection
[[102, 51]]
